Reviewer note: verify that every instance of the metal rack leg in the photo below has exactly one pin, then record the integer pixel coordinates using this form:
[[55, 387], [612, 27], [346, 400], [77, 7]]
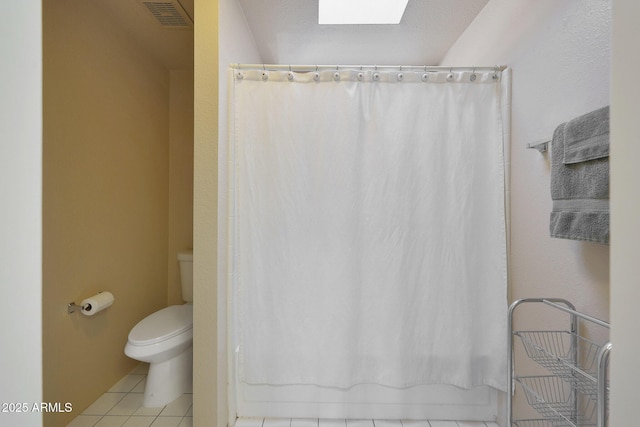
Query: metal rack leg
[[603, 361]]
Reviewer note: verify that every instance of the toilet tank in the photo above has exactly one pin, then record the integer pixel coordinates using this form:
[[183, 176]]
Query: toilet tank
[[185, 259]]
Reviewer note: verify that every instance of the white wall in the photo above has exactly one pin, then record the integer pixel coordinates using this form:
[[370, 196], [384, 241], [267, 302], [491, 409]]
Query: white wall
[[21, 212], [625, 205], [559, 51], [236, 46]]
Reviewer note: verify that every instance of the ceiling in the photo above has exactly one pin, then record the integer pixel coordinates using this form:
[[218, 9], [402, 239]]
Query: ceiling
[[286, 32]]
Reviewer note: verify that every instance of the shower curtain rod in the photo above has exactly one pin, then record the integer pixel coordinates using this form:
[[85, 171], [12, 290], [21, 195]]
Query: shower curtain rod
[[302, 68]]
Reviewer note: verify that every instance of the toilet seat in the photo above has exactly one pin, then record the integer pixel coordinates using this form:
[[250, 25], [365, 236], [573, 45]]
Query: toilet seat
[[162, 325]]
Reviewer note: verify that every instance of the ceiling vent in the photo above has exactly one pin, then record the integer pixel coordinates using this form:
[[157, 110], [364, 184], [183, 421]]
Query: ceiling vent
[[168, 13]]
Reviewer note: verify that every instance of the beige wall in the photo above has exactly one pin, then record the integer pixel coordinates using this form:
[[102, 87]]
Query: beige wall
[[207, 410], [105, 202], [180, 175], [559, 52]]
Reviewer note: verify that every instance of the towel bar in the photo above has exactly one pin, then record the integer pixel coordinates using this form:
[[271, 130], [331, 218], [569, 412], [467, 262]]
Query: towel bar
[[541, 145]]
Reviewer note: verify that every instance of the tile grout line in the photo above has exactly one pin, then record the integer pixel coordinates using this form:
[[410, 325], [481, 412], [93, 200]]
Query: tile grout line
[[373, 422], [125, 394]]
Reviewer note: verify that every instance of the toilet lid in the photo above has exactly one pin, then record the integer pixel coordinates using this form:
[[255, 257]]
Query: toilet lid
[[162, 325]]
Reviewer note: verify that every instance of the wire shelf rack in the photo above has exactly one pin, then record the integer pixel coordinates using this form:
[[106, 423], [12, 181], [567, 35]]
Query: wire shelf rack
[[556, 350], [574, 392], [533, 423], [544, 423], [556, 400]]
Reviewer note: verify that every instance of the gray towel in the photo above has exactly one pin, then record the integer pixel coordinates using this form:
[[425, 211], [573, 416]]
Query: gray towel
[[580, 178]]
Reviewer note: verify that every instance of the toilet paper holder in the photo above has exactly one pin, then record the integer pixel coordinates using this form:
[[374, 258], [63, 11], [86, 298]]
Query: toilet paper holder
[[93, 304], [72, 307]]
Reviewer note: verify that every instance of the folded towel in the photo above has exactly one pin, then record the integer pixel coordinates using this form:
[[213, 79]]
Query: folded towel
[[580, 178], [587, 137]]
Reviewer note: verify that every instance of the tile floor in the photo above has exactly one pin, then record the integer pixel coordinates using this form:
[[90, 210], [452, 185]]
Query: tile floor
[[299, 422], [121, 406]]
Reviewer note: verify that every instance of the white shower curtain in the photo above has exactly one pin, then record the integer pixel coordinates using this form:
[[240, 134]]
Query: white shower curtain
[[368, 228]]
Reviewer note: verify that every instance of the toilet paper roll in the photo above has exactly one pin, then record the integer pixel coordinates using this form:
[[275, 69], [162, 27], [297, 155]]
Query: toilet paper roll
[[96, 303]]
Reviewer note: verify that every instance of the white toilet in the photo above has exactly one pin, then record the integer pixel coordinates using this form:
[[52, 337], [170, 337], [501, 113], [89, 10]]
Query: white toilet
[[165, 340]]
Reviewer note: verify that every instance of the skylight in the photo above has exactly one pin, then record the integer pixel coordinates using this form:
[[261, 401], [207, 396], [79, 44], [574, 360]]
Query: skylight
[[356, 12]]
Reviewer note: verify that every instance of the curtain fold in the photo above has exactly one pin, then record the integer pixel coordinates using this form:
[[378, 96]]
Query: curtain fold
[[368, 228]]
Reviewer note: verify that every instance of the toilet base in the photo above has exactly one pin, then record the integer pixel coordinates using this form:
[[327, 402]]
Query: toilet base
[[168, 380]]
